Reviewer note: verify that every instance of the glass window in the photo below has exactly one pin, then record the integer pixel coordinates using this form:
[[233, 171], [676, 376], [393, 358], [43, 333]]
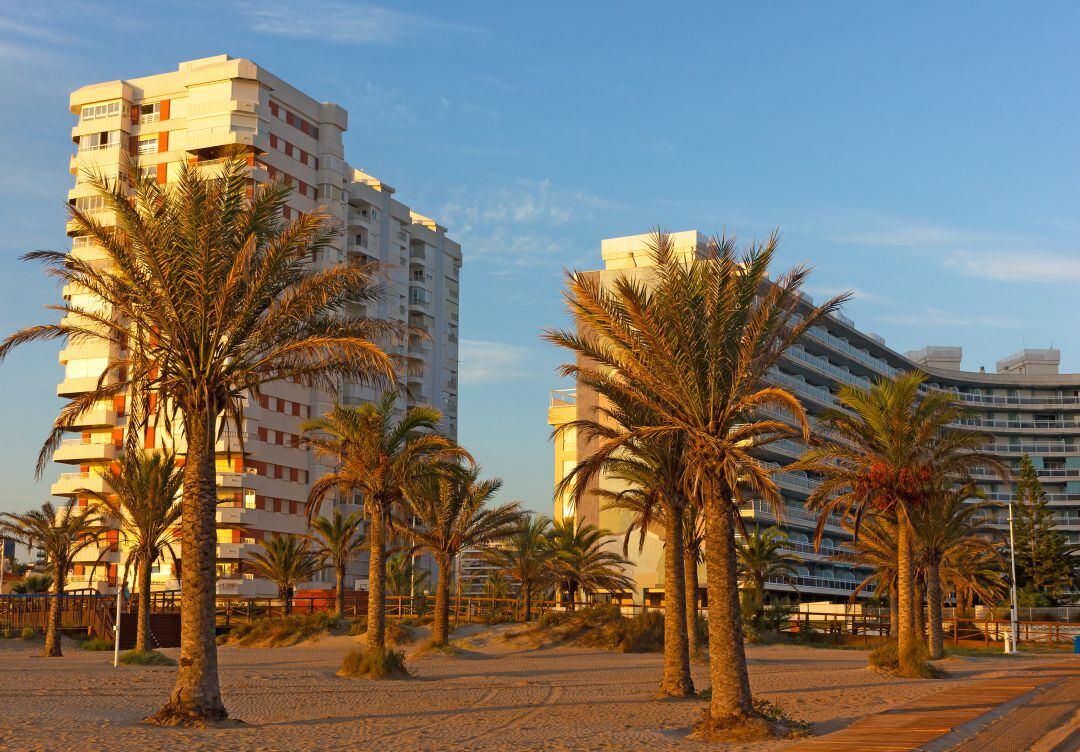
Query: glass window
[[97, 111], [150, 113], [148, 145]]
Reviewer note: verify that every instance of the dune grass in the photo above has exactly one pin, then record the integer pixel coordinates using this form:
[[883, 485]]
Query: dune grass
[[382, 663], [145, 658], [28, 633], [97, 644], [281, 631], [600, 626]]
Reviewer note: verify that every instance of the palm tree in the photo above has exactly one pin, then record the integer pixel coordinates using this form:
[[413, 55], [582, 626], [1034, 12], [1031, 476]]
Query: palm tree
[[579, 562], [339, 539], [403, 577], [32, 583], [652, 472], [62, 534], [874, 548], [942, 529], [209, 296], [889, 449], [448, 515], [973, 571], [144, 490], [497, 586], [524, 556], [692, 345], [381, 457], [287, 560], [761, 558]]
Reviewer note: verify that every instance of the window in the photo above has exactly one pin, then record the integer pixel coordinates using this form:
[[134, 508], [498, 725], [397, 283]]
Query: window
[[249, 499], [148, 145], [90, 204], [100, 140], [150, 113], [98, 111]]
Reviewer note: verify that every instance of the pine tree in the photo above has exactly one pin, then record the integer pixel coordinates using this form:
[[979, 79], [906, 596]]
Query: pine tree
[[1044, 558]]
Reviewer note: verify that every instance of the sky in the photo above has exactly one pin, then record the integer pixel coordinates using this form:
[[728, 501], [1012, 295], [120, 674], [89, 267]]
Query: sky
[[922, 155]]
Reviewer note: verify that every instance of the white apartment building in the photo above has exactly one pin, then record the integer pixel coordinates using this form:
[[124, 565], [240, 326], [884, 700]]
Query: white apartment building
[[189, 116]]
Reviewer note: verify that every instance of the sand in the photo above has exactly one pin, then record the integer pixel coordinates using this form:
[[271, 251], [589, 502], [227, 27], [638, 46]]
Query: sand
[[493, 696]]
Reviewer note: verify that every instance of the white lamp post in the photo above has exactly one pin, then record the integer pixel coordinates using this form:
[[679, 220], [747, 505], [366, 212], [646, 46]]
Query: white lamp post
[[1014, 625], [119, 598]]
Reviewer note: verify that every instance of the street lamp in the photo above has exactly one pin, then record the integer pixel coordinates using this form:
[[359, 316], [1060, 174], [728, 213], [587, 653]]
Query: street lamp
[[1014, 625]]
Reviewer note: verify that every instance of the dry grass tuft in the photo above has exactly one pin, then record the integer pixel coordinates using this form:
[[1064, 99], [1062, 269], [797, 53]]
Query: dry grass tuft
[[280, 631], [381, 663]]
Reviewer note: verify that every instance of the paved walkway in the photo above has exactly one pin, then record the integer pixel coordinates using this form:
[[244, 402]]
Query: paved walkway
[[916, 725]]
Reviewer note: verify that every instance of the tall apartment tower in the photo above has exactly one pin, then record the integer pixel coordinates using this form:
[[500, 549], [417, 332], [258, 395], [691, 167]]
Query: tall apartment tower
[[1026, 406], [192, 115]]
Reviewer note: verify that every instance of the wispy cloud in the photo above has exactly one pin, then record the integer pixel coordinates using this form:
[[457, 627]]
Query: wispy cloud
[[487, 362], [527, 223], [932, 316], [854, 293], [339, 21], [1017, 266]]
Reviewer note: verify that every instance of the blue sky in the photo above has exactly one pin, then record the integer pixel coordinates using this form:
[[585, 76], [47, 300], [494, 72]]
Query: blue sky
[[924, 156]]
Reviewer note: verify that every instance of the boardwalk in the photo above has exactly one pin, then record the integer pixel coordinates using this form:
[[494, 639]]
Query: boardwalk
[[916, 725]]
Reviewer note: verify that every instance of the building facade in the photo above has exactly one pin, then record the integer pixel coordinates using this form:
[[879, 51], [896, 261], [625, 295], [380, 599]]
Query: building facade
[[1027, 406], [190, 116]]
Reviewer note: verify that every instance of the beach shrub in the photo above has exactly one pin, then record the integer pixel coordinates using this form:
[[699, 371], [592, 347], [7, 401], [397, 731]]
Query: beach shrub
[[886, 657], [382, 663], [358, 627], [28, 633], [279, 631], [399, 634], [99, 644], [8, 633], [146, 658], [641, 633]]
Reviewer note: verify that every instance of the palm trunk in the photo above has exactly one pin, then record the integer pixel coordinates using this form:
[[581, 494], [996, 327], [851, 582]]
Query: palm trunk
[[933, 596], [142, 631], [376, 606], [285, 594], [440, 626], [339, 598], [920, 610], [731, 700], [894, 612], [196, 696], [676, 681], [905, 586], [526, 595], [691, 594], [56, 604]]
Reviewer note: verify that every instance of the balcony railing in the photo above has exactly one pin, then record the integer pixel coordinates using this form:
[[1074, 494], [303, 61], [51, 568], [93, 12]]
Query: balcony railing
[[1019, 424]]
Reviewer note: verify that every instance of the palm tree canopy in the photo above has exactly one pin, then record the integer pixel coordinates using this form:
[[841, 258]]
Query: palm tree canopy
[[403, 577], [287, 560], [339, 538], [579, 560], [61, 533], [451, 513], [689, 348], [376, 453], [889, 448], [525, 553], [144, 491], [208, 295], [761, 556]]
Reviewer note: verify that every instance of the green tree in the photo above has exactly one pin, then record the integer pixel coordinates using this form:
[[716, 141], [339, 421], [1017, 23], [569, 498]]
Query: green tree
[[209, 296], [62, 534], [287, 560], [497, 586], [339, 539], [144, 488], [888, 449], [693, 344], [579, 562], [1044, 559], [382, 457], [450, 514], [524, 556]]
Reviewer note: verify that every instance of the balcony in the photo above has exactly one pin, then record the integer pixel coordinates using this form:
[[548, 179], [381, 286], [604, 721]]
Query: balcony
[[238, 516], [72, 484], [96, 417], [800, 517], [74, 451], [81, 385], [236, 480], [236, 550], [1020, 425]]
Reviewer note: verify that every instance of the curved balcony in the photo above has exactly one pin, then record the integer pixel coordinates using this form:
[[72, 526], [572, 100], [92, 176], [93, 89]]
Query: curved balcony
[[72, 484], [72, 451], [1020, 425]]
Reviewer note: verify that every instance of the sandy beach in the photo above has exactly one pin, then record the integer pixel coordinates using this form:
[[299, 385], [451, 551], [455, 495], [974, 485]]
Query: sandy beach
[[494, 696]]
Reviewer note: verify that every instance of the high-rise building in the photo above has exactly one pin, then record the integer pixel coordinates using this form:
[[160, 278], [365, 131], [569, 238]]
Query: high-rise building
[[1026, 406], [192, 116]]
